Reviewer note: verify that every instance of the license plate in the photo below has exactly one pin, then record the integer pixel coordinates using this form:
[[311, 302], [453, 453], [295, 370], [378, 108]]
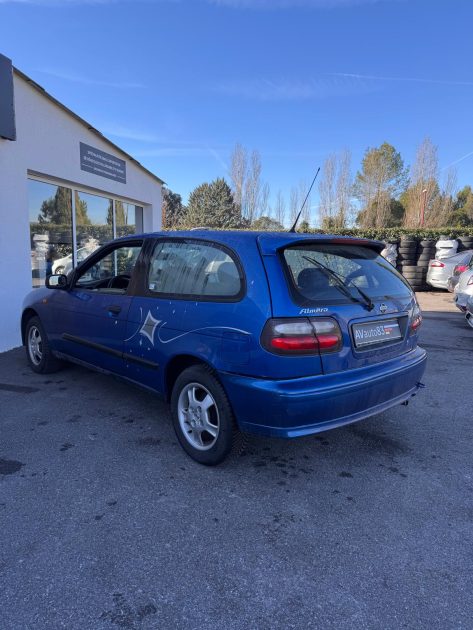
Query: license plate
[[367, 334]]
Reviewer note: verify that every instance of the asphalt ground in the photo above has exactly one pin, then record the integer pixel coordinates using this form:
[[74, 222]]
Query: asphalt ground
[[106, 523]]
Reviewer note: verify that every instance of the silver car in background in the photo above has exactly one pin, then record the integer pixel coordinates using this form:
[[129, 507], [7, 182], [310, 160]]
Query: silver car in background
[[464, 289], [441, 269]]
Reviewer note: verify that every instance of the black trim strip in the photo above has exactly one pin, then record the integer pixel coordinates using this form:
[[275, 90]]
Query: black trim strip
[[116, 353], [119, 377], [149, 364]]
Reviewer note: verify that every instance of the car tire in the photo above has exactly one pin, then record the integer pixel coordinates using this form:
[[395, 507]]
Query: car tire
[[38, 351], [203, 418]]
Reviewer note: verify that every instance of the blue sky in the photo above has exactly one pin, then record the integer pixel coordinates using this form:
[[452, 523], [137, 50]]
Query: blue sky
[[178, 83]]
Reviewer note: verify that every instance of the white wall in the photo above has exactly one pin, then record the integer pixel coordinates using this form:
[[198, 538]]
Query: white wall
[[48, 143]]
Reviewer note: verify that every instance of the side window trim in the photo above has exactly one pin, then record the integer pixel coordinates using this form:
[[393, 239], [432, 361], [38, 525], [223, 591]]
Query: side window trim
[[146, 292]]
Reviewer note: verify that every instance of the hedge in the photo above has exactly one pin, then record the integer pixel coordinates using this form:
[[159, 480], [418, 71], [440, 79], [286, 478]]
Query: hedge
[[384, 234]]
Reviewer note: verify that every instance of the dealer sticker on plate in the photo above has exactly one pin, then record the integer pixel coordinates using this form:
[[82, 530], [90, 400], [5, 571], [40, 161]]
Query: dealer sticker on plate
[[367, 334]]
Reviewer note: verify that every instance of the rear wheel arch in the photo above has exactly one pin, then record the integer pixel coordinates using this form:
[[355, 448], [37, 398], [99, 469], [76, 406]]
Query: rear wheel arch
[[176, 366]]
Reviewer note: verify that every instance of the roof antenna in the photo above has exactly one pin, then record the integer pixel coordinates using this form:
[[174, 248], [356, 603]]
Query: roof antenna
[[293, 229]]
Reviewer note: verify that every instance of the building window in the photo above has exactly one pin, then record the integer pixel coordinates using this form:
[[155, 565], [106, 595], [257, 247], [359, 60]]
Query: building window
[[50, 211], [94, 222], [128, 218], [97, 220]]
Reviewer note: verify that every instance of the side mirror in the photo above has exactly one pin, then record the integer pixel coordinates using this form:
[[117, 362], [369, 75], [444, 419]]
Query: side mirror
[[56, 281]]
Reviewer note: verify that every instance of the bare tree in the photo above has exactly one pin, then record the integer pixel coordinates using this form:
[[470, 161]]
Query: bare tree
[[427, 197], [280, 208], [238, 173], [327, 191], [264, 209], [294, 204], [443, 203], [302, 194], [424, 177], [252, 195], [344, 186]]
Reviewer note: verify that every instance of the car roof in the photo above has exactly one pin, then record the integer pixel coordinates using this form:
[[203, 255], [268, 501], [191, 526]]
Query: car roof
[[269, 241]]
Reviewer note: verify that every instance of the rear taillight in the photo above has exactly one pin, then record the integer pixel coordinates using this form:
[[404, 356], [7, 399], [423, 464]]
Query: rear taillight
[[436, 263], [300, 335], [416, 320], [459, 269]]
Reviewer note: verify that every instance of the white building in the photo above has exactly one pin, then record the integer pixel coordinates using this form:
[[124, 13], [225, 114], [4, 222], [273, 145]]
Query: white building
[[64, 190]]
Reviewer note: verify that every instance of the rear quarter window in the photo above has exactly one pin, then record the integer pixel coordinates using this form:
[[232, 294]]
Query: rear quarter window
[[196, 270], [314, 273]]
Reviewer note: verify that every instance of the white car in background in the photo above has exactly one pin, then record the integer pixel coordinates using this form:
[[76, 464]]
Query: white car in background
[[464, 289], [64, 265]]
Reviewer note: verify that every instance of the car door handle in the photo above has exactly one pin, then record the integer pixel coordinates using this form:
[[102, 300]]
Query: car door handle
[[115, 310]]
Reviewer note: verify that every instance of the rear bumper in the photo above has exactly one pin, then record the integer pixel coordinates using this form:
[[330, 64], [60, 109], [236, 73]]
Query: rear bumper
[[438, 283], [301, 406], [460, 300]]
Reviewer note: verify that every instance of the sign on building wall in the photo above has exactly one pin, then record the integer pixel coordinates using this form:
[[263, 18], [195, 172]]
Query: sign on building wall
[[100, 163], [7, 107]]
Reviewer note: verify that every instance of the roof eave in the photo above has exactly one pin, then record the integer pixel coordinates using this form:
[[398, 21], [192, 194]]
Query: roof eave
[[89, 127]]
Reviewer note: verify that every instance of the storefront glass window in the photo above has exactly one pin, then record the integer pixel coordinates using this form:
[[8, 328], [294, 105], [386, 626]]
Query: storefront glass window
[[94, 222], [50, 211], [51, 227], [128, 217]]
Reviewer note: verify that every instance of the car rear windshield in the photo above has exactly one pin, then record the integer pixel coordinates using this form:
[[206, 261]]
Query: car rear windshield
[[329, 273]]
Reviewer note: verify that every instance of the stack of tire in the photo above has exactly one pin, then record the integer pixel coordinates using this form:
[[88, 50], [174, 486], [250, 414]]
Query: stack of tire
[[465, 242], [413, 260], [425, 253]]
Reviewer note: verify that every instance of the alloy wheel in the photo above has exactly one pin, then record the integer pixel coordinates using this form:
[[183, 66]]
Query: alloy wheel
[[35, 345], [198, 416]]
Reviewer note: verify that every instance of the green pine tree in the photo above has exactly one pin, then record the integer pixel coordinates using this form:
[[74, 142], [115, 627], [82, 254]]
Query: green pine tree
[[57, 209], [212, 205], [82, 218]]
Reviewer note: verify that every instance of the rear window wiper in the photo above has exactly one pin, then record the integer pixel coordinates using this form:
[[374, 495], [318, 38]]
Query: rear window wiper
[[341, 284]]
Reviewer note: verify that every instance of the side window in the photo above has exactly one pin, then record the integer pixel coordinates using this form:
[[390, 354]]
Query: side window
[[193, 268], [112, 271]]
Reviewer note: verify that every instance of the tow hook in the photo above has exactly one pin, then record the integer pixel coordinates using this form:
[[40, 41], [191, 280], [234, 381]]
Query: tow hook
[[419, 385]]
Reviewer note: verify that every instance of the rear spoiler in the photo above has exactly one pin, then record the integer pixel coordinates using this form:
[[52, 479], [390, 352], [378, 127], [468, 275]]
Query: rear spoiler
[[270, 243]]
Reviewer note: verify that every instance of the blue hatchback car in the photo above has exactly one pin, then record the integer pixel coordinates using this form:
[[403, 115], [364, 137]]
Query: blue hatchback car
[[277, 334]]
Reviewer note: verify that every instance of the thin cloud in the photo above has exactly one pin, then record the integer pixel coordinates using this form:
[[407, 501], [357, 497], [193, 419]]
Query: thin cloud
[[288, 90], [176, 151], [293, 154], [71, 3], [464, 157], [127, 133], [218, 158], [231, 4], [76, 78], [369, 77], [291, 4]]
